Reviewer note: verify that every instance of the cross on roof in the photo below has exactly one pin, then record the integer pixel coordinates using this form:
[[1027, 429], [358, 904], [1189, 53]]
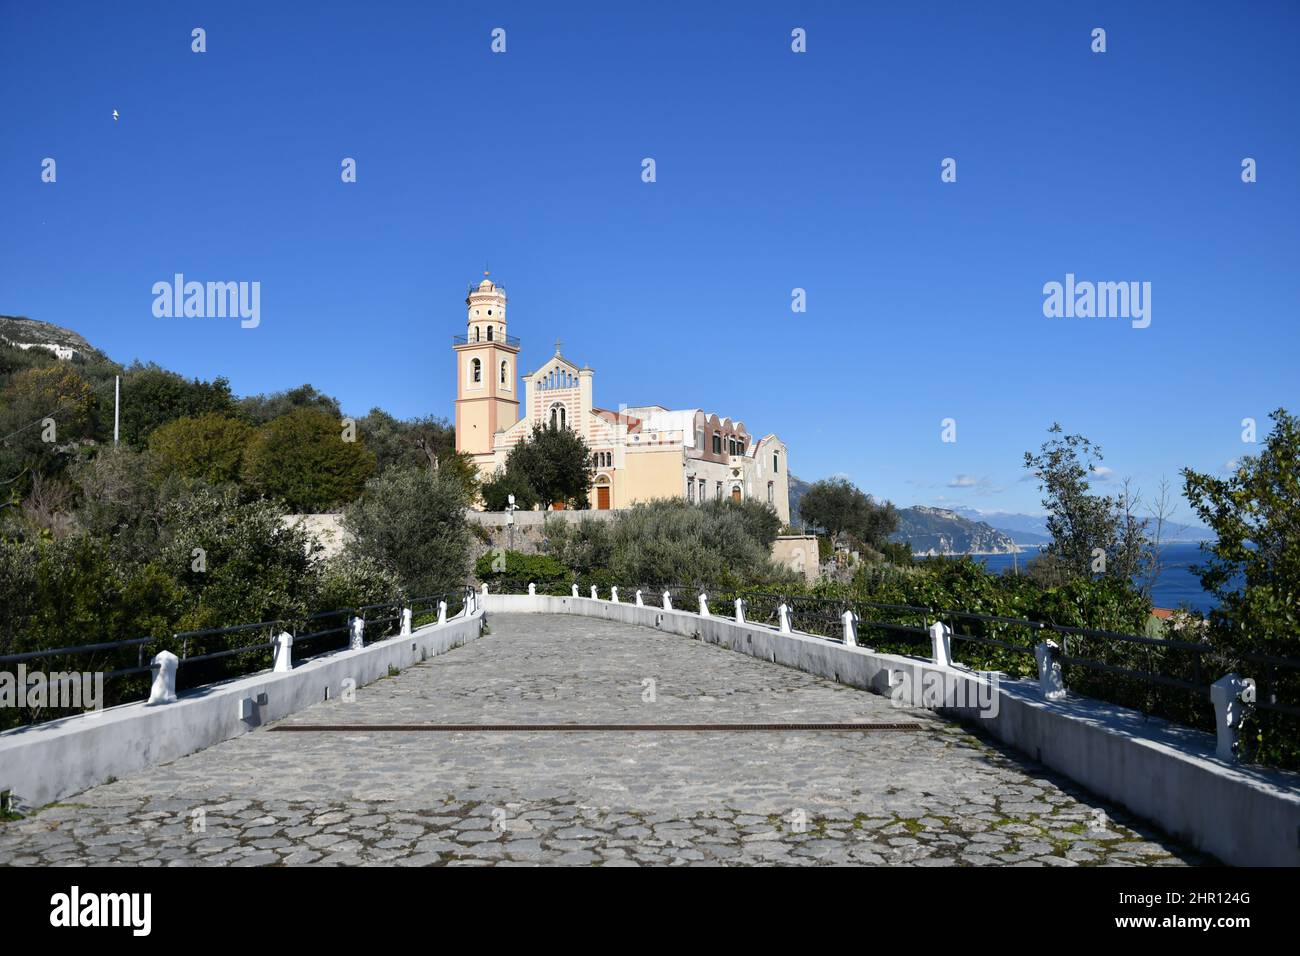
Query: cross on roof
[[557, 346]]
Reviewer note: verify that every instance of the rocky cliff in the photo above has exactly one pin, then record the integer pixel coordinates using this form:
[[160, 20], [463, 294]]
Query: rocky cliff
[[939, 531]]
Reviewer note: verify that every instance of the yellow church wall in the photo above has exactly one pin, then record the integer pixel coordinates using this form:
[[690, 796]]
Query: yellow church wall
[[650, 475]]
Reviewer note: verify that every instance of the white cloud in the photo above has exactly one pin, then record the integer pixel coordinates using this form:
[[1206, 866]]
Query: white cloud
[[1102, 473], [963, 481]]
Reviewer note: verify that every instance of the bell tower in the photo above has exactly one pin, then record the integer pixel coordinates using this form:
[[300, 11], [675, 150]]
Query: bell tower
[[487, 376]]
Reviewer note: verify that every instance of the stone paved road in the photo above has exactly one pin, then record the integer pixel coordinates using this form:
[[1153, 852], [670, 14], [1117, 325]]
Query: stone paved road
[[939, 796]]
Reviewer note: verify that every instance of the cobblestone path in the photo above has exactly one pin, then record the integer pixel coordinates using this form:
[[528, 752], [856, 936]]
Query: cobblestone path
[[937, 796]]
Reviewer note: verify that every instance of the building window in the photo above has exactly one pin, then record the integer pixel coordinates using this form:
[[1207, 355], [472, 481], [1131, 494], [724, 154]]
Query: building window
[[717, 444], [505, 373], [719, 491], [557, 416], [489, 333], [476, 333], [690, 490], [776, 462], [771, 493], [476, 370]]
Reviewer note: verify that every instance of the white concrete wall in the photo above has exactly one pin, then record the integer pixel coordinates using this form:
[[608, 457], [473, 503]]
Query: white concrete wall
[[1247, 816], [46, 762]]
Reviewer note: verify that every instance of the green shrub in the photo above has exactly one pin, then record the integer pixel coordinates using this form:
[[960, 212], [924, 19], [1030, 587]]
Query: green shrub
[[515, 566], [667, 542], [412, 522]]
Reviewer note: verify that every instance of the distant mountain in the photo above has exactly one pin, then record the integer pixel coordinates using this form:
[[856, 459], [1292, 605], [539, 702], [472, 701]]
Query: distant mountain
[[21, 330], [940, 531], [797, 488], [1021, 528]]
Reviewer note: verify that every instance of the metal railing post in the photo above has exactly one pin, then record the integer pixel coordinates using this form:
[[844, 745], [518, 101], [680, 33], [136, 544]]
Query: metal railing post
[[941, 644], [283, 652], [1230, 695], [850, 621], [1051, 682], [163, 690]]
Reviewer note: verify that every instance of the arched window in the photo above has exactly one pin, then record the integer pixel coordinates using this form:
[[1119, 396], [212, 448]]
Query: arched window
[[476, 370], [489, 333], [557, 416], [476, 333], [504, 373]]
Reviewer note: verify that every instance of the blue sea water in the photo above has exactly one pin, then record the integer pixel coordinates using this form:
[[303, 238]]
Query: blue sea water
[[1176, 586]]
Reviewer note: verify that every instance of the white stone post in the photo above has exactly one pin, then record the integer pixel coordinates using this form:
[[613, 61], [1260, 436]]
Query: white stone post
[[850, 628], [783, 616], [575, 590], [532, 589], [593, 593], [163, 690], [1230, 694], [704, 604], [1051, 683], [358, 628], [406, 622], [740, 610], [613, 594], [941, 644], [485, 589], [639, 602], [668, 601], [283, 652], [442, 612]]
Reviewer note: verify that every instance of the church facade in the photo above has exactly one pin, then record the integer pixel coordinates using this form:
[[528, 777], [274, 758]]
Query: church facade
[[640, 453]]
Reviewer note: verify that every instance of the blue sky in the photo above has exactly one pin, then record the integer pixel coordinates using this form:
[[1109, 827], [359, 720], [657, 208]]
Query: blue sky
[[775, 170]]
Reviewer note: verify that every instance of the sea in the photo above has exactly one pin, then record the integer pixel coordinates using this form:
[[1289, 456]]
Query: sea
[[1177, 585]]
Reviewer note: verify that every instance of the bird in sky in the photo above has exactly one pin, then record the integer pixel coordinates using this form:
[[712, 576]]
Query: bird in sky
[[115, 116]]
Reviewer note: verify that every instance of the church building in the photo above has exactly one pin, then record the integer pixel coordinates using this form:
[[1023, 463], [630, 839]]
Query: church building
[[639, 453]]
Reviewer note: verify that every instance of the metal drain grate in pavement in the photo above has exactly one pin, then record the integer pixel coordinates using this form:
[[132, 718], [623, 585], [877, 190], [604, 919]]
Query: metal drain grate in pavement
[[588, 728]]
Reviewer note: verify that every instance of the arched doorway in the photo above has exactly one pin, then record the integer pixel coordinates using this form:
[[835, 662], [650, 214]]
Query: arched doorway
[[604, 493]]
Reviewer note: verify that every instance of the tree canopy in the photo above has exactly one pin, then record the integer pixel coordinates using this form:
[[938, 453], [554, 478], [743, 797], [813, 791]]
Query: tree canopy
[[552, 465], [411, 522], [304, 459], [1091, 534], [841, 508], [209, 446]]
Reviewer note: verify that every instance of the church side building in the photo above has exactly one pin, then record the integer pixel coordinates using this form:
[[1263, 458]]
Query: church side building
[[640, 453]]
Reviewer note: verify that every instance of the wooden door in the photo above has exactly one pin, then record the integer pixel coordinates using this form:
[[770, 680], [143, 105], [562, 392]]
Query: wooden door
[[602, 497]]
